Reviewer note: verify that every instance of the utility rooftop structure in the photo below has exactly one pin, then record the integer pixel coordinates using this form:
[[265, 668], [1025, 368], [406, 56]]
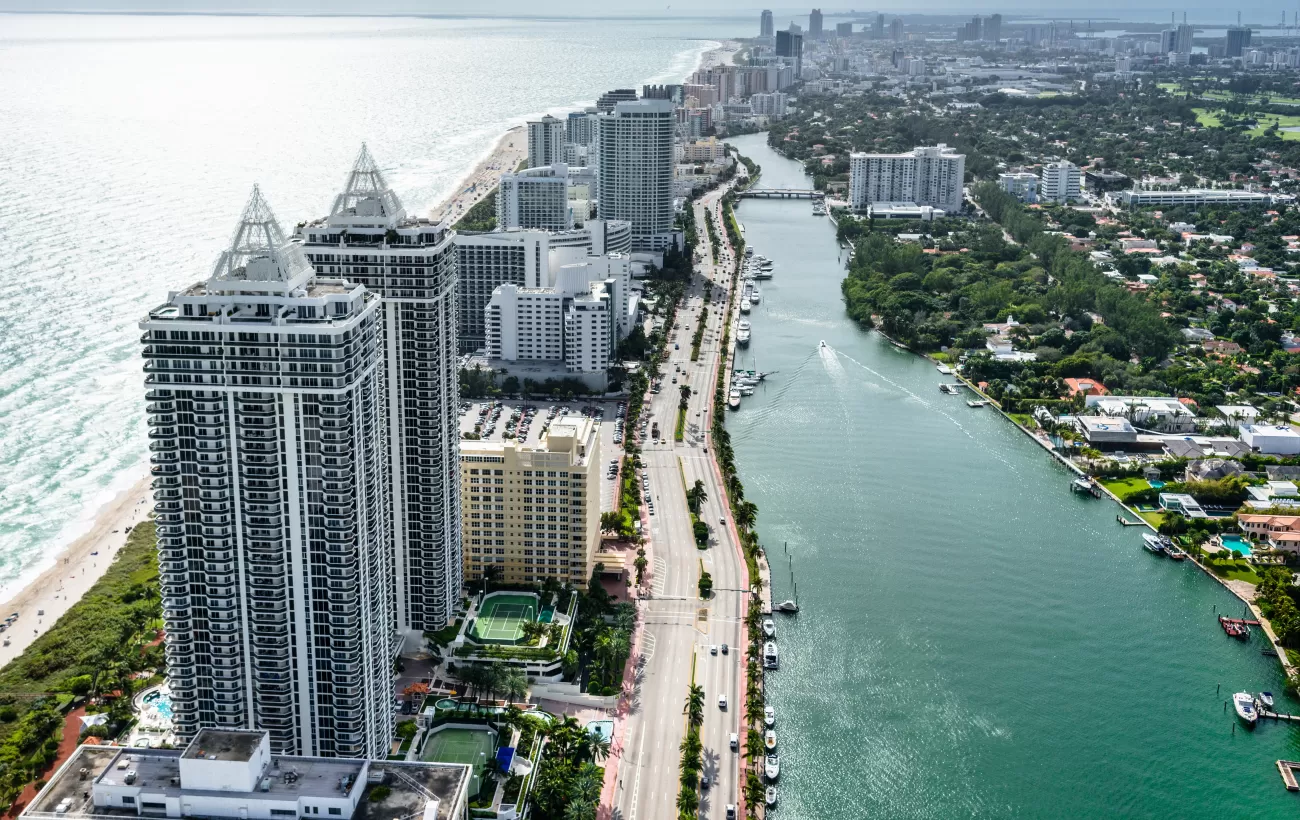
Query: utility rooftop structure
[[410, 264], [233, 774], [268, 448]]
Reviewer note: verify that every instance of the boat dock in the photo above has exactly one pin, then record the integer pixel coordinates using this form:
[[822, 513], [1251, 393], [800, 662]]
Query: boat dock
[[1287, 769], [1121, 519]]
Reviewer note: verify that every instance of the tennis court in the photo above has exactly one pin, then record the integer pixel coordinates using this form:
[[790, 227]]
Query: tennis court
[[472, 746], [502, 616]]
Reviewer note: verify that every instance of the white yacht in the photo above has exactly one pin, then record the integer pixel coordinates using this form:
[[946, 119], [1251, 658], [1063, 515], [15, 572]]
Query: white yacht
[[1244, 703], [733, 399], [771, 795], [769, 740], [771, 660], [769, 716], [769, 627], [745, 304], [755, 295], [772, 767]]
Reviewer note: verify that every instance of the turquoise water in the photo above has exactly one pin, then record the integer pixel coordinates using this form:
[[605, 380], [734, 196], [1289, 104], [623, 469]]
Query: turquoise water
[[974, 640], [1236, 542]]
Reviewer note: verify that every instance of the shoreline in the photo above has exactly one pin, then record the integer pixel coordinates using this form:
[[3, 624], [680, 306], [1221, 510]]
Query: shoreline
[[511, 148], [75, 570]]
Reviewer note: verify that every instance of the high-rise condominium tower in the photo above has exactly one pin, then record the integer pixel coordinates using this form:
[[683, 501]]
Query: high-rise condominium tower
[[815, 24], [635, 177], [765, 26], [411, 265], [266, 403], [545, 142]]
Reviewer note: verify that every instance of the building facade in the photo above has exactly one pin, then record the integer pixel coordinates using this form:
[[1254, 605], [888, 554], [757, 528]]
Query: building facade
[[1061, 182], [546, 140], [410, 264], [765, 26], [267, 402], [534, 510], [1022, 185], [931, 175], [635, 174], [536, 197]]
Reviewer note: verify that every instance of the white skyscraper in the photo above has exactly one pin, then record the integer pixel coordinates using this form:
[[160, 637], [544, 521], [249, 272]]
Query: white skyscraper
[[930, 176], [1060, 182], [545, 141], [410, 264], [267, 408], [544, 197], [635, 151]]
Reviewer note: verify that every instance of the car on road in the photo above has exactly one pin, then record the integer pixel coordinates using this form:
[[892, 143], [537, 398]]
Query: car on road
[[724, 649], [734, 740], [731, 812], [723, 521], [704, 782], [713, 650], [722, 702]]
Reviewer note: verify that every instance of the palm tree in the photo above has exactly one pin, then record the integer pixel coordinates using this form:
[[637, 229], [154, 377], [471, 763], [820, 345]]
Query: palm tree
[[688, 802], [746, 514], [580, 810], [695, 704], [753, 743], [514, 686], [696, 496]]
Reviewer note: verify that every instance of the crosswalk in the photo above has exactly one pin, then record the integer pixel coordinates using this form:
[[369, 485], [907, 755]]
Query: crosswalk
[[661, 577]]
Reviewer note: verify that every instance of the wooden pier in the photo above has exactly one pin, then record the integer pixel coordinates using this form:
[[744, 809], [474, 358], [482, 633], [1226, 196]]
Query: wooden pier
[[1287, 769], [1121, 519], [1264, 713]]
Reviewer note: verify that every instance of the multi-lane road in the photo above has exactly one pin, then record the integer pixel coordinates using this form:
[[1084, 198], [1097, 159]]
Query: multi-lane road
[[679, 627]]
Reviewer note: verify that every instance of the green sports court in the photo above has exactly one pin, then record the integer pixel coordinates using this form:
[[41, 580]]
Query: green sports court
[[502, 615], [456, 745]]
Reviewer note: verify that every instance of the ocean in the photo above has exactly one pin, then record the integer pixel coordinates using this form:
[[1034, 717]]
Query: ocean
[[130, 144]]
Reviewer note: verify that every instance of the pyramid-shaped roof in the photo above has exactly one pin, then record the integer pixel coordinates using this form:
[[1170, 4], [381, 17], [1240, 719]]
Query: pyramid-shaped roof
[[259, 250], [366, 195]]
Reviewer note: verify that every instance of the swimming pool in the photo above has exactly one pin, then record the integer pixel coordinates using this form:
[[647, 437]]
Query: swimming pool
[[160, 702], [1236, 542]]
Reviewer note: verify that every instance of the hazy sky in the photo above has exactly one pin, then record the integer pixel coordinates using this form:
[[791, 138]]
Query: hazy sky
[[1204, 11]]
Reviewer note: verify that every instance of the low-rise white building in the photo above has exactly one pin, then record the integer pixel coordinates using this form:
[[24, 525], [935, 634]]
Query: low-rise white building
[[1273, 439], [231, 774], [1061, 182], [1022, 185]]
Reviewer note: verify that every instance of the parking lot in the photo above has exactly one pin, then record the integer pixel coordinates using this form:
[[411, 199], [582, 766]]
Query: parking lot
[[527, 421]]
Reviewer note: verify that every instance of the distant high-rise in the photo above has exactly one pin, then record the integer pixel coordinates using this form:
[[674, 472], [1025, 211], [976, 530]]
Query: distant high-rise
[[815, 24], [896, 30], [1185, 34], [410, 262], [535, 198], [1238, 41], [269, 434], [843, 29], [993, 28], [878, 28], [1168, 41], [765, 27], [635, 150], [580, 126], [610, 99], [789, 44], [545, 142], [1060, 182]]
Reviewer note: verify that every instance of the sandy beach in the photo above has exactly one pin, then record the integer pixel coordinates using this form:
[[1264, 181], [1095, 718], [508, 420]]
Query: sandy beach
[[75, 570], [505, 156]]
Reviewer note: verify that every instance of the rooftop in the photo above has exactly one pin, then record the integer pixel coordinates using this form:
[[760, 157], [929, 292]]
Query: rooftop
[[222, 744]]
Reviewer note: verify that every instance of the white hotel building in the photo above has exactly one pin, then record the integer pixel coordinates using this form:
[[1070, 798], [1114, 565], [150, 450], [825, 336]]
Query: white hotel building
[[927, 176], [543, 197], [410, 264], [634, 147], [267, 398]]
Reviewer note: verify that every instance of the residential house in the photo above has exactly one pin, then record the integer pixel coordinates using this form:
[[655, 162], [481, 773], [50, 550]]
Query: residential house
[[1281, 532]]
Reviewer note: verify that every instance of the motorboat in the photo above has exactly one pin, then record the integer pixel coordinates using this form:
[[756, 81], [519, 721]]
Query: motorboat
[[733, 398], [1266, 700], [769, 714], [747, 390], [772, 767], [1153, 544], [769, 627], [742, 336], [1174, 552], [769, 740], [1244, 704], [771, 795], [818, 209], [821, 344], [745, 305], [787, 606], [755, 295], [771, 659]]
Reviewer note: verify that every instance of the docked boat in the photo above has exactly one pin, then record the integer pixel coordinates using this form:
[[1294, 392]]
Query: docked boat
[[733, 398], [769, 627], [755, 295], [771, 795], [769, 715], [745, 304], [944, 369], [1174, 552], [771, 659], [1153, 544], [769, 740], [819, 209], [1244, 704], [749, 251], [950, 389], [747, 390], [787, 606], [1266, 700], [757, 273], [742, 336], [977, 402], [1235, 628], [772, 767]]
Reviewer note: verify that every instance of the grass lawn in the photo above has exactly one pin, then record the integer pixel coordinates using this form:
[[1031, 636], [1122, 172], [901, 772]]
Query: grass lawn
[[1155, 519], [1024, 420], [1207, 118], [1235, 571], [1281, 120], [1124, 486]]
